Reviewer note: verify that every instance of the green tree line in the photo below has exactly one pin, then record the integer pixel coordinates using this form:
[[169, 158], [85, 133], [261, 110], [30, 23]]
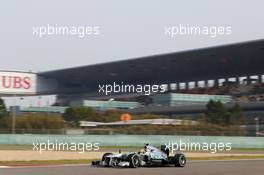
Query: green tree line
[[218, 114], [30, 120], [216, 119]]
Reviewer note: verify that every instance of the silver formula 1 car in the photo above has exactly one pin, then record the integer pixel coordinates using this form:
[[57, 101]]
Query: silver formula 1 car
[[151, 156]]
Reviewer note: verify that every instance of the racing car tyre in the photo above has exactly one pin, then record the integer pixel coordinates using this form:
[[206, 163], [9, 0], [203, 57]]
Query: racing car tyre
[[107, 160], [106, 154], [134, 160], [165, 149], [179, 160]]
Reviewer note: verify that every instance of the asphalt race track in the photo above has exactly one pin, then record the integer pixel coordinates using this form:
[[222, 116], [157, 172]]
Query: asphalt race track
[[241, 167]]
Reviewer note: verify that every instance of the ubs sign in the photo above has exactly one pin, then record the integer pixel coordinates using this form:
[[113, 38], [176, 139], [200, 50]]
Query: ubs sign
[[17, 83]]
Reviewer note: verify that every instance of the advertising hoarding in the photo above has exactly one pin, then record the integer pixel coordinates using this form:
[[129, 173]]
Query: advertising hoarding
[[20, 83]]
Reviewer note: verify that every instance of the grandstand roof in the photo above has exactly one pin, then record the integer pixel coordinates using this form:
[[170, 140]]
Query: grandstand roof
[[225, 61]]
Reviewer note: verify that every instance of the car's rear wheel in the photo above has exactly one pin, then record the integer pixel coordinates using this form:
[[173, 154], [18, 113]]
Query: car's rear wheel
[[107, 160], [134, 160], [113, 162], [179, 160], [105, 155]]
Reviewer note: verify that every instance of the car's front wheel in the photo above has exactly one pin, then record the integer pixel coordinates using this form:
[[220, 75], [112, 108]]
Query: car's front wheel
[[179, 160], [134, 160]]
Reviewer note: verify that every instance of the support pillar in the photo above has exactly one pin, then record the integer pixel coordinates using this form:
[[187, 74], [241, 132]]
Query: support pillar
[[259, 79], [195, 84], [169, 87], [206, 83], [216, 83], [237, 81], [248, 80], [176, 86]]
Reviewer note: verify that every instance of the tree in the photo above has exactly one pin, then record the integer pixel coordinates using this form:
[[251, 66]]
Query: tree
[[237, 115], [216, 113], [3, 114], [3, 111], [39, 121], [111, 115], [77, 114]]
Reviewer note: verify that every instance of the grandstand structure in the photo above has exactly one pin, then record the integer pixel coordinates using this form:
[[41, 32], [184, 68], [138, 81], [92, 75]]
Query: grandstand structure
[[240, 63], [230, 73]]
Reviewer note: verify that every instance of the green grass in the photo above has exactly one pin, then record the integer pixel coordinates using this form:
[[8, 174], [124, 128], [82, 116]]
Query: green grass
[[16, 147], [248, 149]]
